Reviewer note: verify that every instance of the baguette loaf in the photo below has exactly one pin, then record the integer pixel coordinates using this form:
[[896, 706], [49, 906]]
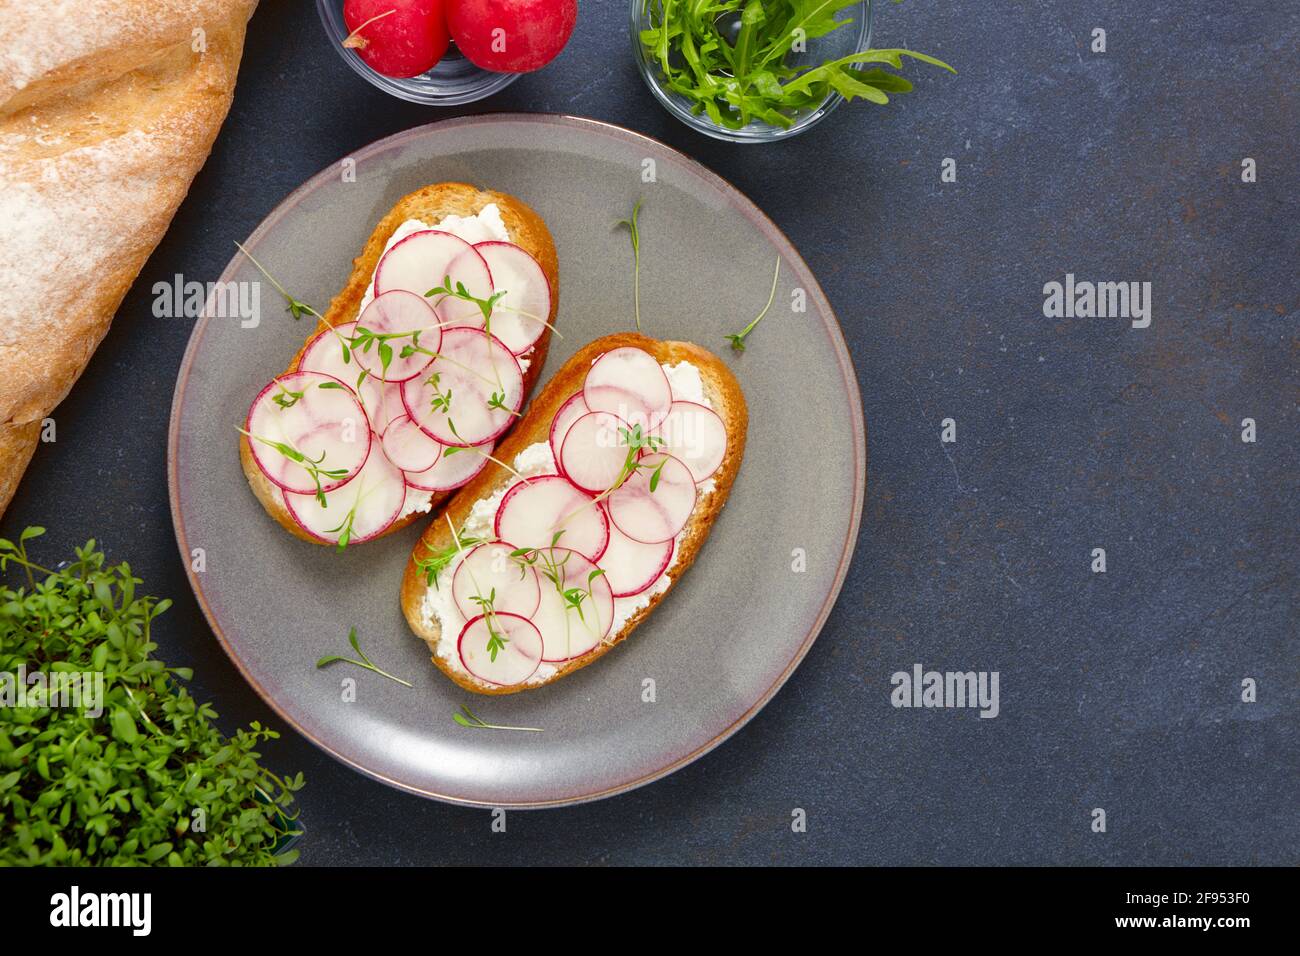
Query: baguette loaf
[[431, 204], [107, 110], [722, 392]]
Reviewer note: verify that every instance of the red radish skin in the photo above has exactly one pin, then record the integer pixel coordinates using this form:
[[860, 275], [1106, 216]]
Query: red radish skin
[[695, 435], [532, 512], [654, 516], [629, 383], [324, 353], [471, 270], [488, 571], [327, 424], [398, 312], [471, 367], [520, 316], [594, 453], [378, 493], [632, 566], [409, 448], [450, 471], [511, 36], [567, 634], [420, 262], [398, 38], [573, 409], [516, 661]]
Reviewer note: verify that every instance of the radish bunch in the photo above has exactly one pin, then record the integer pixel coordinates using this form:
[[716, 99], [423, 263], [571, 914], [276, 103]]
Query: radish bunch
[[405, 38], [409, 399], [629, 459]]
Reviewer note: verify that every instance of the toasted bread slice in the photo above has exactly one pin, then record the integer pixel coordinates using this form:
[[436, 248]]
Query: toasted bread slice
[[723, 393], [431, 205]]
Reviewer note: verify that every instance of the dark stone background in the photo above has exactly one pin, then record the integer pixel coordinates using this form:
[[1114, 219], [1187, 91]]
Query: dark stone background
[[1120, 690]]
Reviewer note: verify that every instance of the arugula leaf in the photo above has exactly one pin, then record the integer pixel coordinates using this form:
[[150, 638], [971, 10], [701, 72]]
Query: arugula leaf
[[737, 61]]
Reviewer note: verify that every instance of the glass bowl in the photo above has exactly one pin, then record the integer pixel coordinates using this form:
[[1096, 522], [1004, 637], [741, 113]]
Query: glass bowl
[[453, 80], [842, 42]]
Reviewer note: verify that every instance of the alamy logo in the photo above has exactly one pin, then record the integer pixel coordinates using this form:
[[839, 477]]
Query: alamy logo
[[75, 908], [922, 688], [81, 690], [1101, 300], [221, 300]]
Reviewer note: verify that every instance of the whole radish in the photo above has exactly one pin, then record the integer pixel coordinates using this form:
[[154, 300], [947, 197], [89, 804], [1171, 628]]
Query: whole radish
[[398, 38], [511, 36]]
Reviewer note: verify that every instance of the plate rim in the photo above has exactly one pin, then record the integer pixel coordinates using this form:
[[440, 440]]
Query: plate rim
[[735, 199]]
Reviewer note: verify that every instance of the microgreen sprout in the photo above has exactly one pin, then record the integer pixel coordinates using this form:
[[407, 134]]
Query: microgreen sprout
[[365, 662], [738, 339], [311, 465], [295, 307], [344, 528], [285, 397], [498, 402], [634, 229], [466, 718], [435, 562], [458, 291], [449, 450]]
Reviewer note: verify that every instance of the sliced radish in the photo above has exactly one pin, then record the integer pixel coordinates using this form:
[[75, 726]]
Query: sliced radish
[[654, 516], [595, 451], [629, 383], [489, 573], [315, 415], [455, 467], [632, 566], [573, 409], [397, 312], [535, 511], [418, 262], [470, 271], [330, 352], [520, 315], [504, 652], [452, 399], [569, 631], [363, 508], [694, 435], [409, 448], [383, 401]]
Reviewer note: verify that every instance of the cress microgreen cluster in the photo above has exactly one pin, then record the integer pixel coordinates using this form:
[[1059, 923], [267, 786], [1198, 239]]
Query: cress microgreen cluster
[[121, 788], [736, 60]]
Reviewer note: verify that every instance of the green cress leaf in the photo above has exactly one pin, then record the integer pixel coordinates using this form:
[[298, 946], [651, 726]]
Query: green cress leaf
[[121, 788]]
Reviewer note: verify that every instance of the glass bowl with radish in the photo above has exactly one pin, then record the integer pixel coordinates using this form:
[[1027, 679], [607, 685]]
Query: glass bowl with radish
[[447, 52], [756, 71]]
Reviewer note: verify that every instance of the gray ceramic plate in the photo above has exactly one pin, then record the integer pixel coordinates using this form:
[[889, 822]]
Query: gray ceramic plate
[[727, 637]]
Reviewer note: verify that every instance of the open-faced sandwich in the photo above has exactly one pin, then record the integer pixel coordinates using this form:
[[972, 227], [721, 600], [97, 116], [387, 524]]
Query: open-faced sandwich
[[595, 504], [416, 370]]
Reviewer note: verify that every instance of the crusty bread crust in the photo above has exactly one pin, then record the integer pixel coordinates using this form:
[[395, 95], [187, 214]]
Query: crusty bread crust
[[430, 204], [723, 393], [107, 111]]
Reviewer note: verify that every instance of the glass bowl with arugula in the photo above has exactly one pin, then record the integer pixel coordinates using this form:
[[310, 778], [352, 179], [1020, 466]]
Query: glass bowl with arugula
[[754, 71]]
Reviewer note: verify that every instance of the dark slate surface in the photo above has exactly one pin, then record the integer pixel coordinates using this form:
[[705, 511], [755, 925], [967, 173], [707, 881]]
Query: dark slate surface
[[1119, 691]]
